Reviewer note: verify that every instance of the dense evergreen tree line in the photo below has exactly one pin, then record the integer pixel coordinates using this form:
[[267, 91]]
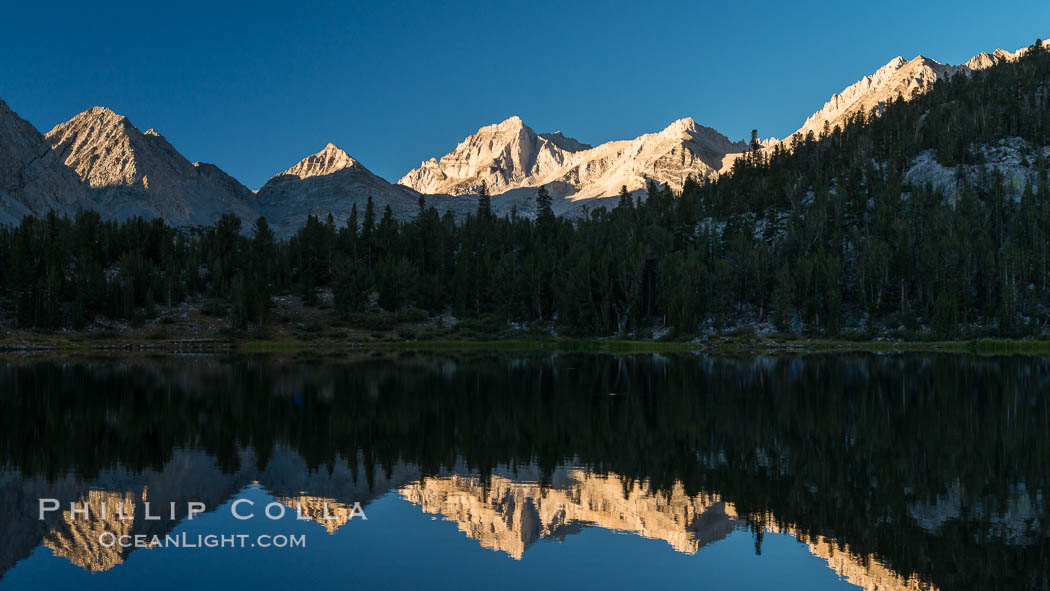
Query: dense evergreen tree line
[[820, 237]]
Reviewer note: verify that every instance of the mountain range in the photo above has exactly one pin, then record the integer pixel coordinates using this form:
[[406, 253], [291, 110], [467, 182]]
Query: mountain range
[[32, 178], [99, 160], [509, 515], [135, 173]]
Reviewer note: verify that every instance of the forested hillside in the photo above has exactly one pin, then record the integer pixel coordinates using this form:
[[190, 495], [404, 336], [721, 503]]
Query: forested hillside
[[838, 234]]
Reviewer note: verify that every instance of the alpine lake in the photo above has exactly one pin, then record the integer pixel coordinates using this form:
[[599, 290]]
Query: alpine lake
[[395, 470]]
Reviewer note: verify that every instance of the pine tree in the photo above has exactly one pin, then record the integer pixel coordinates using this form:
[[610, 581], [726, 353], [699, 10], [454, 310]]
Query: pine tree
[[261, 278], [544, 211], [367, 229], [484, 202]]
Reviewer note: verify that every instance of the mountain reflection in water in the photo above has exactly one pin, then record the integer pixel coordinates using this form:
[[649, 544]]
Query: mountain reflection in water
[[901, 472]]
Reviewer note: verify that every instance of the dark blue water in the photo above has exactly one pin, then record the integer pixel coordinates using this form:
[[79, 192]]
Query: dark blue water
[[876, 472]]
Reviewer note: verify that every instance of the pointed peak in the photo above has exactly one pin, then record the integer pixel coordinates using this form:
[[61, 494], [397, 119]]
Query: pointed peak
[[94, 118], [683, 127], [892, 66], [926, 61], [337, 154], [329, 160], [512, 124], [152, 131], [102, 113], [512, 121], [100, 110], [984, 60]]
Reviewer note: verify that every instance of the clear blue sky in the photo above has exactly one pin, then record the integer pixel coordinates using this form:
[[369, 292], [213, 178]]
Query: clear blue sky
[[256, 86]]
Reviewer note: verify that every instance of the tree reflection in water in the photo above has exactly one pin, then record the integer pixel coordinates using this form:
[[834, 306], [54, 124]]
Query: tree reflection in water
[[934, 467]]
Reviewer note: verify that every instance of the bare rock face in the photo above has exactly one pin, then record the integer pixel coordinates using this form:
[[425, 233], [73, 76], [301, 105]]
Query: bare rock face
[[873, 93], [328, 161], [213, 175], [906, 79], [864, 571], [116, 498], [1011, 157], [668, 157], [21, 145], [32, 179], [504, 156], [330, 182], [99, 160], [985, 60], [132, 173], [513, 160], [508, 515]]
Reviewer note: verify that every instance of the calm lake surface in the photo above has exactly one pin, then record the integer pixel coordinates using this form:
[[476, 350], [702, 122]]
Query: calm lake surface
[[887, 472]]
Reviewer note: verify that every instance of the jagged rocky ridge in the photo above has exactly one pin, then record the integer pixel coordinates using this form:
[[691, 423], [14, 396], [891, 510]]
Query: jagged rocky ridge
[[132, 173], [898, 78], [33, 179], [98, 160], [329, 182], [508, 515], [187, 476], [510, 156], [526, 497], [504, 156]]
